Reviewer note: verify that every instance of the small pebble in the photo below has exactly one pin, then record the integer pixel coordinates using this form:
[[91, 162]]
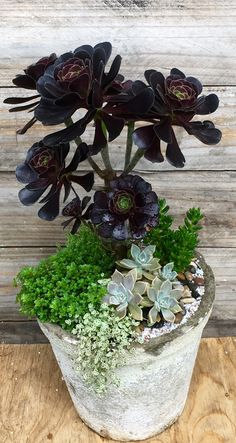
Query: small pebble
[[199, 281], [192, 269], [178, 317], [192, 296], [186, 292], [181, 276], [188, 300], [189, 276]]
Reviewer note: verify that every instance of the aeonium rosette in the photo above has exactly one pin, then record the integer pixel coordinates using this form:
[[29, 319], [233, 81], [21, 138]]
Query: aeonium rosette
[[177, 101], [79, 80], [77, 212], [28, 80], [127, 210], [45, 167]]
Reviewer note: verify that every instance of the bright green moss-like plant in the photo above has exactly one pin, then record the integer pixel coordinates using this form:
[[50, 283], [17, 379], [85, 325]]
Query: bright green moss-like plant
[[177, 246], [103, 342], [63, 285]]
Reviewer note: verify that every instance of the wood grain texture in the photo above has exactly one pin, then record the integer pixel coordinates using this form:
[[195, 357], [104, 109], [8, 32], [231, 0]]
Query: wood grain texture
[[11, 260], [196, 36], [30, 372], [29, 332], [213, 191], [13, 147]]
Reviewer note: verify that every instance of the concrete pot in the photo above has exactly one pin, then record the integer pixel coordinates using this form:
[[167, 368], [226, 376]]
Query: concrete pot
[[154, 383]]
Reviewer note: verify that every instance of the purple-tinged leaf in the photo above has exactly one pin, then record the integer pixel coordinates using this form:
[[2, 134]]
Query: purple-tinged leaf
[[86, 181], [163, 130], [209, 105], [174, 154], [28, 198]]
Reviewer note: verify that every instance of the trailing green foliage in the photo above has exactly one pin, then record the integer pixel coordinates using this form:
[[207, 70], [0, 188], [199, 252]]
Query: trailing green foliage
[[63, 285], [103, 342], [177, 246]]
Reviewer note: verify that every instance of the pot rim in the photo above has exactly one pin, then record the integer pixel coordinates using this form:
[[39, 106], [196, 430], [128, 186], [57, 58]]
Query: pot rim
[[156, 342]]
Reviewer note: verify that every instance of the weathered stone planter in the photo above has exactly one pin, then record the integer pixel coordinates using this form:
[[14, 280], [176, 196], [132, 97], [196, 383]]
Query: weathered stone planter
[[154, 383]]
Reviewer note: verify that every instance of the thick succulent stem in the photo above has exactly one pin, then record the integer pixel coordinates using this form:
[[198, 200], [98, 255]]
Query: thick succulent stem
[[137, 156], [106, 158], [95, 167], [69, 122], [129, 144]]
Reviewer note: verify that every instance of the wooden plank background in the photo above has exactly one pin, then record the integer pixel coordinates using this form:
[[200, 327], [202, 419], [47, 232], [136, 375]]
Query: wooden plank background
[[197, 37]]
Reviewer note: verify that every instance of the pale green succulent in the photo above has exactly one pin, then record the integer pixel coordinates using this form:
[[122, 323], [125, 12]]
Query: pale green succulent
[[167, 272], [142, 260], [125, 292], [164, 300]]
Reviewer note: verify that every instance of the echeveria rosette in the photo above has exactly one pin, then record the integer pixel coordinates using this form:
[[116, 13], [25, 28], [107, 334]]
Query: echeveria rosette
[[142, 260], [45, 167], [167, 272], [127, 210], [165, 301], [125, 293], [177, 101], [76, 211]]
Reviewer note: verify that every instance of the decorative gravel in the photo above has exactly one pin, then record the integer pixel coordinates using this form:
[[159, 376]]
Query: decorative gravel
[[190, 310]]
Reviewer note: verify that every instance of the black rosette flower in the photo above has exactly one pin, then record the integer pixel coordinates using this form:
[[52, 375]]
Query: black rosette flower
[[77, 212], [78, 80], [177, 101], [129, 209], [28, 80], [45, 167]]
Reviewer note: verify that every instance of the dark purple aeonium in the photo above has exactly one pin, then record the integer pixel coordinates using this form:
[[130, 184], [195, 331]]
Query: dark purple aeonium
[[28, 80], [78, 211], [78, 80], [177, 101], [45, 167], [127, 210]]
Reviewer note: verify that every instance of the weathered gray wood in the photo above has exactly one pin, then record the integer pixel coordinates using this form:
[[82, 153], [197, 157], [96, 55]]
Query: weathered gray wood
[[13, 147], [212, 191], [195, 36], [222, 261], [22, 332], [18, 332]]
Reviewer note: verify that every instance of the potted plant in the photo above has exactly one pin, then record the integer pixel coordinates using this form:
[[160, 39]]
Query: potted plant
[[125, 301]]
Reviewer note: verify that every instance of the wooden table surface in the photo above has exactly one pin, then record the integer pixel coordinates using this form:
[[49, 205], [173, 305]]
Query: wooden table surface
[[36, 407]]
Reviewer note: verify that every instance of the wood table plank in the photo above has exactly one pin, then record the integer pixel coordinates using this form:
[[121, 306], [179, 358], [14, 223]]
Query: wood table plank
[[13, 147], [197, 36], [33, 387]]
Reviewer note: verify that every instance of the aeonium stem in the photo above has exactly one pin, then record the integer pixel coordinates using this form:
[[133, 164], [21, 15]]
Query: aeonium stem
[[129, 144], [69, 122], [106, 158], [137, 156], [95, 167]]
